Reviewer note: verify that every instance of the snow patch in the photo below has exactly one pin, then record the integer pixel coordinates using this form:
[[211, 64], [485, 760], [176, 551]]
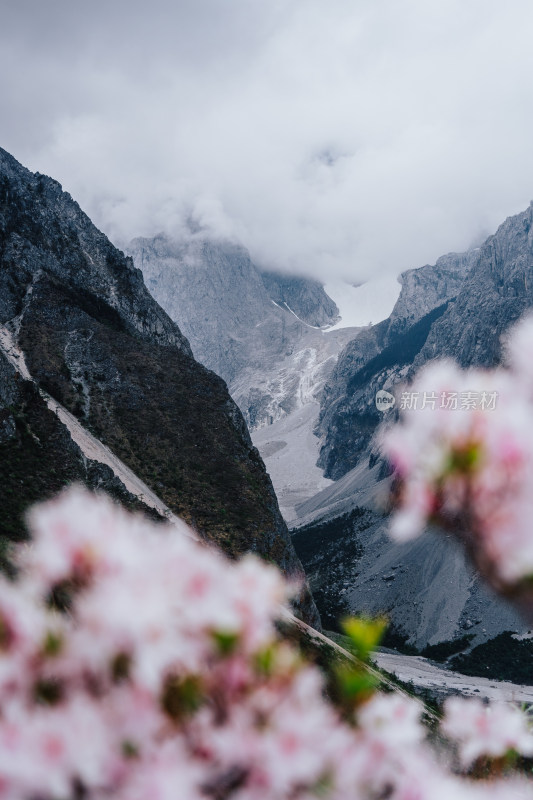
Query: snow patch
[[93, 449], [369, 303], [315, 327], [422, 673], [13, 353]]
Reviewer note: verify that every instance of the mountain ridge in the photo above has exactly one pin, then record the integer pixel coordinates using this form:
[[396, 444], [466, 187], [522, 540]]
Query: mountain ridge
[[246, 324], [427, 588], [96, 341]]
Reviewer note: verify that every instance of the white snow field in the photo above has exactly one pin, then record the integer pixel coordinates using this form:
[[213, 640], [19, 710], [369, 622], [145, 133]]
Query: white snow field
[[422, 673], [369, 303]]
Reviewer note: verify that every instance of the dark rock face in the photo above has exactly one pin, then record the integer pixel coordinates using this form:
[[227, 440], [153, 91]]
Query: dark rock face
[[381, 356], [495, 294], [306, 298], [98, 343], [42, 228], [38, 457], [459, 308]]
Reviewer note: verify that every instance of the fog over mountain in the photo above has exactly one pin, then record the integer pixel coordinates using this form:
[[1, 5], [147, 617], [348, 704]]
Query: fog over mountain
[[340, 139]]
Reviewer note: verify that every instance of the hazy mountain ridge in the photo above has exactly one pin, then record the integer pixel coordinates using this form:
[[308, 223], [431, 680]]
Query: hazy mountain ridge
[[381, 355], [95, 339], [496, 292], [219, 297], [212, 291], [260, 331], [304, 297], [459, 308]]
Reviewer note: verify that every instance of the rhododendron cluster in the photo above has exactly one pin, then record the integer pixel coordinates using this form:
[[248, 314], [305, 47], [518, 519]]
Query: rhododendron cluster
[[471, 469], [483, 730], [136, 663]]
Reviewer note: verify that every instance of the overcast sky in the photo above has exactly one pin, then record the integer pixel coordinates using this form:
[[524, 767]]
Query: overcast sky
[[345, 137]]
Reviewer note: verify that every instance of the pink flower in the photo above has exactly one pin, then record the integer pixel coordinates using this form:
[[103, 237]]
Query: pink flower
[[165, 678], [482, 730], [392, 719], [470, 467]]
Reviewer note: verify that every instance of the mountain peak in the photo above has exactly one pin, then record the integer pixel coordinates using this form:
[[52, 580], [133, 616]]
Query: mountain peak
[[96, 342]]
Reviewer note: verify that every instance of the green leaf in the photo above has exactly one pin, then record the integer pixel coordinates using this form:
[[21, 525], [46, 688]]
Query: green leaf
[[182, 696], [365, 634], [53, 644], [226, 642], [356, 684], [264, 661]]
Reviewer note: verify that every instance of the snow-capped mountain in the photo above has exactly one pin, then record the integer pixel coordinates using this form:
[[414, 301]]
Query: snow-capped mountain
[[283, 362], [234, 316], [268, 335]]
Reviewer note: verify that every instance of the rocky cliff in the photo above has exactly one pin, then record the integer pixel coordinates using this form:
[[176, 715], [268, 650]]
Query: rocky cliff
[[459, 308], [38, 457], [95, 340], [427, 288], [380, 356], [256, 330], [213, 292], [301, 296], [497, 290]]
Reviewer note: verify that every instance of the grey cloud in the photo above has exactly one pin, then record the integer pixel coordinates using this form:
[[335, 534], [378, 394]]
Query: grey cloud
[[340, 138]]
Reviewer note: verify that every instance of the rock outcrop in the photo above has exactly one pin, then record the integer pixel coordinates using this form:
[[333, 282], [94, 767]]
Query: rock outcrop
[[96, 341], [380, 356], [495, 293], [460, 308], [259, 331], [303, 297]]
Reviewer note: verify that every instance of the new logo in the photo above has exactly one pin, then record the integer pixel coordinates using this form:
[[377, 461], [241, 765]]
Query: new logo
[[384, 400]]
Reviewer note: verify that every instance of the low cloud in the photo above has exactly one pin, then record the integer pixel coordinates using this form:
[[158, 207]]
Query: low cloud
[[332, 139]]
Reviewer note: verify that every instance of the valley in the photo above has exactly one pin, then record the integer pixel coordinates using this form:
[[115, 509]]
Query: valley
[[442, 683], [306, 387], [243, 400]]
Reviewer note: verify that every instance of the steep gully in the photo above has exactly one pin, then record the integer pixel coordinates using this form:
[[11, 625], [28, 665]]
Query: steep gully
[[90, 446]]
